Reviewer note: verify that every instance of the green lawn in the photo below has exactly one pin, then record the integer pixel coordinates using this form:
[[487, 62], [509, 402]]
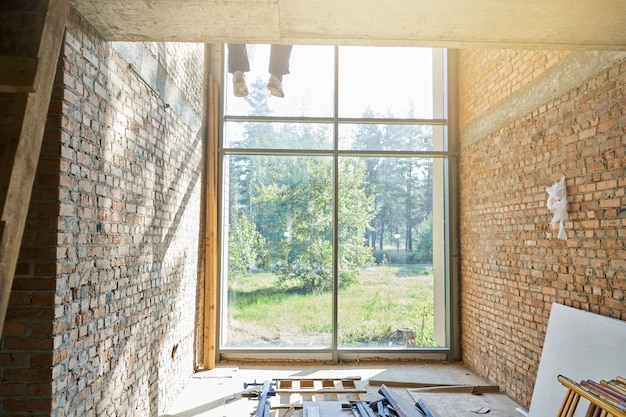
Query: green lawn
[[371, 312]]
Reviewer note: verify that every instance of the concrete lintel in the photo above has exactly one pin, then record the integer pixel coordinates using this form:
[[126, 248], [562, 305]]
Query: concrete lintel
[[573, 71]]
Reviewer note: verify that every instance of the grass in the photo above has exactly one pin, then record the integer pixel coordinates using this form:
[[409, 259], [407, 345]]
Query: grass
[[372, 312]]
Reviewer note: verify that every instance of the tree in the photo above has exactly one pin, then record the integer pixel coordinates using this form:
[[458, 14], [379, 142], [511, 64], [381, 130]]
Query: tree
[[302, 187], [401, 187], [289, 202], [246, 247], [368, 137], [356, 212], [424, 240]]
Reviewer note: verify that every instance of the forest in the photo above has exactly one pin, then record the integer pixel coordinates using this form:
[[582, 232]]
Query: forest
[[280, 206]]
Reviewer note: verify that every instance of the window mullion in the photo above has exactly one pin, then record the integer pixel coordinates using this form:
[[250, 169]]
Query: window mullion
[[335, 303]]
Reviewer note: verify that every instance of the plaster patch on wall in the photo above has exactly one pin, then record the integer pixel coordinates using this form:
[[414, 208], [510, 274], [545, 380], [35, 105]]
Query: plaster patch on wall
[[573, 71], [158, 80]]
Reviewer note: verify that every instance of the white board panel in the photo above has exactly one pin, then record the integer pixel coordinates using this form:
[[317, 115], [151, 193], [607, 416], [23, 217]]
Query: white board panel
[[579, 345]]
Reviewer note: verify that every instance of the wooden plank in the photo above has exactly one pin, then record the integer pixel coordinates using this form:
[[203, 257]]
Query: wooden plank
[[468, 389], [19, 165], [407, 384], [211, 247], [17, 74], [320, 378], [293, 392], [320, 391]]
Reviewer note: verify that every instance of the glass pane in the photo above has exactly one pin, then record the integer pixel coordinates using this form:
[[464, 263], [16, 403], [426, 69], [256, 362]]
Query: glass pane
[[386, 82], [387, 278], [263, 135], [278, 251], [385, 137], [308, 87]]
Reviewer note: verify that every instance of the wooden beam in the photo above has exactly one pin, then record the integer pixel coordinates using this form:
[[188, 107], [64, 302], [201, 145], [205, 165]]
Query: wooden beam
[[17, 74], [211, 273], [19, 164], [2, 224]]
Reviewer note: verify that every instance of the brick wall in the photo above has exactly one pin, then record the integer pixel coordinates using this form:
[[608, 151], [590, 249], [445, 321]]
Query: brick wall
[[26, 343], [103, 309], [513, 267], [498, 73]]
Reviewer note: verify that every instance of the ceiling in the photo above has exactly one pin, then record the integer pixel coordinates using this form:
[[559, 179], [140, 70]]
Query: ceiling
[[522, 24]]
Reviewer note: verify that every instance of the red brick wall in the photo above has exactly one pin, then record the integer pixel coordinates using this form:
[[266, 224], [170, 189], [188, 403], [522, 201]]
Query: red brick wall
[[513, 267], [498, 73], [103, 309], [28, 340]]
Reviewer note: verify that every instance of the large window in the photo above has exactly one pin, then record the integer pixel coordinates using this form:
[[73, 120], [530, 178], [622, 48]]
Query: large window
[[334, 206]]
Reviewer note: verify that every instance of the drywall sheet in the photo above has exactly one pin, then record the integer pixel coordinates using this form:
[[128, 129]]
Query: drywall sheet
[[579, 345]]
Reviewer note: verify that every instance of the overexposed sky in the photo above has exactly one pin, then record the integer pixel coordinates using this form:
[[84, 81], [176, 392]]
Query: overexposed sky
[[389, 80]]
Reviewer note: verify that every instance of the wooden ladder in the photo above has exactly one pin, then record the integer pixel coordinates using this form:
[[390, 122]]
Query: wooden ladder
[[292, 392]]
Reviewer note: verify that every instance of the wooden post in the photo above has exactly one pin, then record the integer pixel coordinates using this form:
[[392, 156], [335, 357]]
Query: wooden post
[[17, 74], [32, 82], [211, 273]]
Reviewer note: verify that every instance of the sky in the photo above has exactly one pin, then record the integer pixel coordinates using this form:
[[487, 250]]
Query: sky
[[386, 79]]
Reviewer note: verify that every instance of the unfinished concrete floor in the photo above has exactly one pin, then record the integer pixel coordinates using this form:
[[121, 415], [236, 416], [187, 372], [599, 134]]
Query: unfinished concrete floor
[[214, 393]]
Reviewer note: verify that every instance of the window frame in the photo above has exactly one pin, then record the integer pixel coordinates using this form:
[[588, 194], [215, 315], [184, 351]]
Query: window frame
[[449, 158]]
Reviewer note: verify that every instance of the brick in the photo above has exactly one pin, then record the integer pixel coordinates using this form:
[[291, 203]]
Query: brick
[[31, 406], [11, 389], [586, 271], [39, 374]]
